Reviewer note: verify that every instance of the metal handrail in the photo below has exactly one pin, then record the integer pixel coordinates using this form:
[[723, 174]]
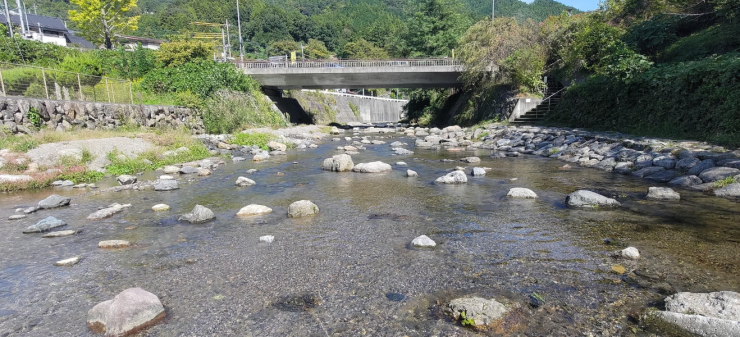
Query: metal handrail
[[348, 63], [549, 101]]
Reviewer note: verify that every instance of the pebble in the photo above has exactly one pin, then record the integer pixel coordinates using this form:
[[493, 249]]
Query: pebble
[[68, 262], [114, 244], [423, 241], [59, 234], [16, 217], [160, 208], [267, 238], [631, 253], [166, 177]]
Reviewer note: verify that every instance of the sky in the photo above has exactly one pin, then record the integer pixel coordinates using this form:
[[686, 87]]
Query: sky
[[584, 5]]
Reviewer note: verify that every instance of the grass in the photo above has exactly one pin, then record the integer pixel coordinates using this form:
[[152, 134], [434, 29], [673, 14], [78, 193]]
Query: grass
[[355, 109], [151, 160], [717, 39], [725, 182], [41, 179], [253, 138]]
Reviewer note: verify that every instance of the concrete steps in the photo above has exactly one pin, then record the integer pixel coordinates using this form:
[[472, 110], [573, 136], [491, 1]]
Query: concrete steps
[[553, 96]]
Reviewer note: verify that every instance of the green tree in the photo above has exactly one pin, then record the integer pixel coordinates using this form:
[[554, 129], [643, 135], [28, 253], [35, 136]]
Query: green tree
[[173, 54], [435, 28], [283, 47], [316, 50], [101, 20], [363, 50]]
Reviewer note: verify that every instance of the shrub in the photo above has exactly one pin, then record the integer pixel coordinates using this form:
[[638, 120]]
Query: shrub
[[230, 111], [202, 78], [175, 54]]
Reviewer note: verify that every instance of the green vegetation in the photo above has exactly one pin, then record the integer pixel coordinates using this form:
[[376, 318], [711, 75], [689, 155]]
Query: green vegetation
[[179, 148], [355, 109], [34, 116], [465, 321], [319, 106], [259, 139], [724, 182]]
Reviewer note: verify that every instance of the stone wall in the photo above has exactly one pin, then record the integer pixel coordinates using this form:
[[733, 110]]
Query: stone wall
[[69, 115]]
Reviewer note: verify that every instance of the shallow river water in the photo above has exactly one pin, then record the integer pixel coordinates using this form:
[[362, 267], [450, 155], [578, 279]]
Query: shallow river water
[[350, 270]]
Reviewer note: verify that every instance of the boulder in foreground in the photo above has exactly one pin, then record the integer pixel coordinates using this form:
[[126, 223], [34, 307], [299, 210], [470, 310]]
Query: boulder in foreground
[[481, 311], [588, 199], [700, 314], [45, 225], [130, 311], [338, 163], [302, 208], [454, 177], [374, 167], [199, 214]]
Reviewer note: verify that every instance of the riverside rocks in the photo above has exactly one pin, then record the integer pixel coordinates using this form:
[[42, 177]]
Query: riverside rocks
[[68, 262], [732, 190], [718, 173], [45, 225], [132, 310], [338, 163], [60, 234], [423, 241], [714, 314], [54, 201], [374, 167], [302, 208], [243, 182], [199, 214], [454, 177], [480, 310], [111, 244], [126, 179], [160, 208], [254, 210], [411, 173], [588, 199], [630, 253], [165, 185], [478, 172]]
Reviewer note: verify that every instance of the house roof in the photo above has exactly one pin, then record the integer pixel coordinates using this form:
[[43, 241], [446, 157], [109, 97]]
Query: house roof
[[139, 39], [34, 21], [79, 41]]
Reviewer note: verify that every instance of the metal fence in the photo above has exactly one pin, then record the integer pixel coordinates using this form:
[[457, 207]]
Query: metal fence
[[348, 63], [46, 83]]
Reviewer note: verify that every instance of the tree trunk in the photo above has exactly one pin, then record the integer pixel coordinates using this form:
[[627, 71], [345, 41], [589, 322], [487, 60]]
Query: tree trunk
[[108, 42]]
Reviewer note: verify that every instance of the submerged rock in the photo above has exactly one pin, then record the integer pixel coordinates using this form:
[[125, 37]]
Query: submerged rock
[[17, 217], [521, 193], [454, 177], [423, 241], [45, 225], [338, 163], [471, 160], [199, 214], [165, 185], [132, 310], [701, 314], [109, 244], [732, 190], [374, 167], [254, 210], [160, 208], [108, 212], [588, 199], [630, 253], [302, 208], [662, 193], [68, 262], [243, 182], [481, 311], [59, 234], [54, 201]]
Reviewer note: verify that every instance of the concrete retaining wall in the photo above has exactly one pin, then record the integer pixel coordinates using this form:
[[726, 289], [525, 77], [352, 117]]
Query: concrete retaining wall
[[67, 115], [523, 106], [327, 107]]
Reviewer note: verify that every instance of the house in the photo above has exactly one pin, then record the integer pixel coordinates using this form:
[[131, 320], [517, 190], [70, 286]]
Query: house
[[131, 42], [47, 29]]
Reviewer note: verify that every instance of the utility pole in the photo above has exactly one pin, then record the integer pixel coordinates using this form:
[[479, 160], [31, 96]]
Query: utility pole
[[493, 9], [228, 37], [223, 42], [25, 13], [7, 17], [239, 26], [34, 9], [20, 16], [302, 56]]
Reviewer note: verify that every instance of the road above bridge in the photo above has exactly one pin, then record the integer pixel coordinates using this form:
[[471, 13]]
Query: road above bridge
[[411, 73]]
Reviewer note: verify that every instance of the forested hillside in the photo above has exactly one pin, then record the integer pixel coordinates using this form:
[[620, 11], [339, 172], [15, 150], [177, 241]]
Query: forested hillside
[[383, 23]]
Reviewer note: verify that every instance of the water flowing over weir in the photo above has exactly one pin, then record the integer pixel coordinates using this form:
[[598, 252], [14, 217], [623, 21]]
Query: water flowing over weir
[[350, 270]]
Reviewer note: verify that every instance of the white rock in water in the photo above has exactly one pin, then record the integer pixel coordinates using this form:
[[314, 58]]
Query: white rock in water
[[267, 238], [160, 208], [59, 234], [108, 212], [302, 208], [478, 172], [454, 177], [171, 169], [243, 182], [631, 253], [471, 160], [702, 314], [338, 163], [521, 193], [132, 310], [411, 173], [68, 262], [165, 185], [480, 310], [662, 193], [254, 210], [423, 241], [166, 177], [17, 217], [199, 214], [401, 163], [588, 199], [114, 244], [373, 167]]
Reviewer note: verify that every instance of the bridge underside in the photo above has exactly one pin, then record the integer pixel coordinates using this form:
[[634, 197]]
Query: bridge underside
[[337, 78]]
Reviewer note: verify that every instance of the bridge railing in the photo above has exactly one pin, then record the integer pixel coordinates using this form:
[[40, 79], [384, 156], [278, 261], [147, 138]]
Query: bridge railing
[[348, 63]]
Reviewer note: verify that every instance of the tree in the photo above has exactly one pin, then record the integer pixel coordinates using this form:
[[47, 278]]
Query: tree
[[435, 28], [316, 50], [174, 54], [101, 20], [363, 50]]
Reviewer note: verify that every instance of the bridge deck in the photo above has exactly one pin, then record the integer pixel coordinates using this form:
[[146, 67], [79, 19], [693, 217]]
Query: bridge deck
[[419, 73]]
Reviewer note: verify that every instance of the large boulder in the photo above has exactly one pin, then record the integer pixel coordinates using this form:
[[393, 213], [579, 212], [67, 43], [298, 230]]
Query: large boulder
[[700, 167], [374, 167], [108, 212], [199, 214], [685, 181], [338, 163], [701, 314], [731, 190], [45, 225], [244, 181], [481, 311], [588, 199], [521, 193], [275, 146], [130, 311], [454, 177], [54, 201], [126, 179], [302, 208], [717, 173]]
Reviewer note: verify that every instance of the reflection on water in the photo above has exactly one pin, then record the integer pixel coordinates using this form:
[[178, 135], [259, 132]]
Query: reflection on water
[[350, 270]]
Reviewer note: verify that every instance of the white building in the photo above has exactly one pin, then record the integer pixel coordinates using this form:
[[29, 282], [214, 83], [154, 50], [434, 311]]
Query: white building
[[46, 29], [132, 42]]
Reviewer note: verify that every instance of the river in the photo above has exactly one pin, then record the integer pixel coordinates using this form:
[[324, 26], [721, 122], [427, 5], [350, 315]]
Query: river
[[350, 270]]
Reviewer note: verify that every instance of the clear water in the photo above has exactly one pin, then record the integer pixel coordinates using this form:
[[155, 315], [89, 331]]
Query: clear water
[[350, 270]]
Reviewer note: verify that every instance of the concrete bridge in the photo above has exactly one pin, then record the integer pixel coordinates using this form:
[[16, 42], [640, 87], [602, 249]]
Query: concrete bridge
[[407, 73]]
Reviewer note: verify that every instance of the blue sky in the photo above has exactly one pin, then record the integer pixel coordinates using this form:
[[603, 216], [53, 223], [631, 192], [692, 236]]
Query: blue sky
[[584, 5]]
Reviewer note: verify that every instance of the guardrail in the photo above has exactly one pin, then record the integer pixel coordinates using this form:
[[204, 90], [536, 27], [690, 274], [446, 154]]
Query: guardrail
[[45, 83], [348, 63]]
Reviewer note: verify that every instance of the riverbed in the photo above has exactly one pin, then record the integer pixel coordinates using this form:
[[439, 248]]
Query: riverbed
[[351, 270]]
